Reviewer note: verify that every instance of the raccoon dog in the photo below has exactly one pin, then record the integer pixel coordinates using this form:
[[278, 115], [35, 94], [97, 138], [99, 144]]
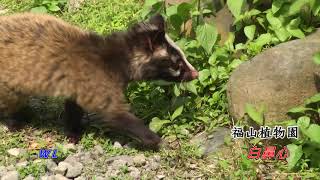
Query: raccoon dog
[[41, 55]]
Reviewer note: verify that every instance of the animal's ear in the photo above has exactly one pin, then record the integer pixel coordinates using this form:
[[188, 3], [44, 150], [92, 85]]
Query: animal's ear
[[158, 21], [149, 33]]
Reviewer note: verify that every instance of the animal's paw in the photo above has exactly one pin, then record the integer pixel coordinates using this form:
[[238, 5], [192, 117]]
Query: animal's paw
[[151, 140], [74, 138], [14, 125]]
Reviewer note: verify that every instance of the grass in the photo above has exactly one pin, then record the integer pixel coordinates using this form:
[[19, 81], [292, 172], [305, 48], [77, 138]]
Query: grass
[[102, 17], [105, 16]]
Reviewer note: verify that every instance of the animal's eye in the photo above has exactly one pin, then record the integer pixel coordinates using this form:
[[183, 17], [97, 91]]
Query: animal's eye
[[175, 58]]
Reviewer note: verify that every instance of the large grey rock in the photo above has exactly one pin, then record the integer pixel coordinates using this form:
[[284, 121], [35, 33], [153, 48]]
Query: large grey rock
[[279, 78], [210, 143]]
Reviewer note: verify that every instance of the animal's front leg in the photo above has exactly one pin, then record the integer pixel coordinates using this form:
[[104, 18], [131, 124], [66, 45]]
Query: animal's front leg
[[72, 117], [133, 126]]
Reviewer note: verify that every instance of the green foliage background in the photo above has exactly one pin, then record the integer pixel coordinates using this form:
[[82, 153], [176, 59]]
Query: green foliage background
[[203, 101], [178, 111]]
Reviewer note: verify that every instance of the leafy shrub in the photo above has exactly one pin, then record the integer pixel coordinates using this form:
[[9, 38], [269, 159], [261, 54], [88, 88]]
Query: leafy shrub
[[45, 6], [186, 108], [304, 152]]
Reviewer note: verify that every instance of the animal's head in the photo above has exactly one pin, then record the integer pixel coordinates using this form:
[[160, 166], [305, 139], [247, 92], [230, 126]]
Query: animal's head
[[155, 56]]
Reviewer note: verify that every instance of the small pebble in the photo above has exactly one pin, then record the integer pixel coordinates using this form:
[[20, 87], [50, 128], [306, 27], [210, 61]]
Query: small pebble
[[157, 158], [15, 152], [116, 144], [29, 177], [139, 160], [11, 168], [3, 170], [117, 164], [61, 168], [99, 178], [160, 176], [47, 178], [134, 172], [22, 164], [99, 149], [11, 175], [70, 146], [51, 165], [74, 170], [80, 178], [60, 177]]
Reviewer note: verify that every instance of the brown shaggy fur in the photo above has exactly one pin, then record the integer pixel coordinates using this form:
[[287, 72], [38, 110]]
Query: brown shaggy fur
[[42, 55]]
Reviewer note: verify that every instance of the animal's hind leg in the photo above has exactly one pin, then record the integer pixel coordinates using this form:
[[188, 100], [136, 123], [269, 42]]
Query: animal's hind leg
[[72, 116]]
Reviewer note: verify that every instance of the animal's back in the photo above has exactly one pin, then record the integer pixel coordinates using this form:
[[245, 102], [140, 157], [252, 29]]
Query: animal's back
[[38, 50]]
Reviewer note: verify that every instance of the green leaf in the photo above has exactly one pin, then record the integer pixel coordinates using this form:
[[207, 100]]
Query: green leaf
[[294, 156], [212, 59], [204, 74], [156, 124], [282, 34], [214, 73], [299, 109], [184, 10], [53, 8], [176, 90], [176, 21], [303, 122], [190, 86], [249, 31], [313, 99], [177, 112], [296, 6], [236, 7], [204, 119], [274, 21], [206, 11], [313, 132], [276, 5], [293, 28], [254, 114], [172, 10], [263, 39], [207, 36], [196, 13], [235, 63], [149, 3], [315, 6], [253, 12], [39, 9], [316, 58]]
